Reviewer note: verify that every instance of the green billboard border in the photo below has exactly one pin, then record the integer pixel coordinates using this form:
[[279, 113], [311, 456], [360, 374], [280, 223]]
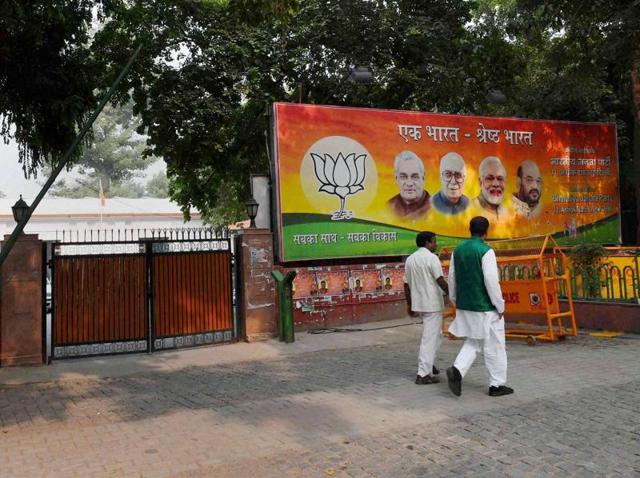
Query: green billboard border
[[605, 231]]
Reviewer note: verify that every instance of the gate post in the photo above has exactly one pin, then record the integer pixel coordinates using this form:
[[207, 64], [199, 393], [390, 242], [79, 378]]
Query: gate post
[[148, 286], [254, 252], [21, 316]]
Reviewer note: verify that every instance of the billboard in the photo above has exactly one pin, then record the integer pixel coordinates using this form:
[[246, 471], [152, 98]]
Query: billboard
[[355, 182]]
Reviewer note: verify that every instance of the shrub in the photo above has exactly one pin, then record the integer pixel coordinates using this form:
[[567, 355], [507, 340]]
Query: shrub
[[586, 259]]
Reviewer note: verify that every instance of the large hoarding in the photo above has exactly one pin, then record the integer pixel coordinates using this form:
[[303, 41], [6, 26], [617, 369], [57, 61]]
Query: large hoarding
[[354, 182]]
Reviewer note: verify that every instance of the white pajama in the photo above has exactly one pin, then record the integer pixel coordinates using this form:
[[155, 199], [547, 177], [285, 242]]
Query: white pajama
[[421, 274], [430, 343], [484, 330], [492, 347]]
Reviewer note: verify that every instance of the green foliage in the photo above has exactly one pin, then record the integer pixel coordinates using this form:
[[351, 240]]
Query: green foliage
[[587, 255], [158, 186], [47, 76], [570, 56], [81, 188], [229, 209], [127, 190], [586, 260], [210, 70]]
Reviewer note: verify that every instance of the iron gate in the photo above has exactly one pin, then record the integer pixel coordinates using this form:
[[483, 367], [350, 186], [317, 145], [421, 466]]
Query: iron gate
[[142, 296], [192, 294]]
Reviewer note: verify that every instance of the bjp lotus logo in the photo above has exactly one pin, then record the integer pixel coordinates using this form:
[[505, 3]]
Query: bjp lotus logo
[[340, 176]]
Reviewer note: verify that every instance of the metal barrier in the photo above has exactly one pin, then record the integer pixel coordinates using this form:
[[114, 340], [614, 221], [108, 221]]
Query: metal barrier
[[608, 282], [141, 234], [531, 279]]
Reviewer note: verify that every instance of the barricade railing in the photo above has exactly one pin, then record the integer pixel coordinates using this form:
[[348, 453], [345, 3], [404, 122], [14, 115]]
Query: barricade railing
[[607, 282], [531, 278]]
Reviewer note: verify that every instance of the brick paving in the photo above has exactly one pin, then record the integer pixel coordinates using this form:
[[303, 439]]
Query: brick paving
[[347, 412]]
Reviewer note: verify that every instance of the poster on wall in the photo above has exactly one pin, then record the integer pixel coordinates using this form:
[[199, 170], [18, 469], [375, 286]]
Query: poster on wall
[[357, 182]]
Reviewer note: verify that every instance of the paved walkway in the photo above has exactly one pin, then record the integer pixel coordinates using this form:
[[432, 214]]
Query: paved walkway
[[335, 405]]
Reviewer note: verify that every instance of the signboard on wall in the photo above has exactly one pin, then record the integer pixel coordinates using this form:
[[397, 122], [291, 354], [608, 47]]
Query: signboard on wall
[[355, 182]]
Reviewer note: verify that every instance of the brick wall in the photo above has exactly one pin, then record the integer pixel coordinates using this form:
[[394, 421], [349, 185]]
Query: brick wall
[[337, 295]]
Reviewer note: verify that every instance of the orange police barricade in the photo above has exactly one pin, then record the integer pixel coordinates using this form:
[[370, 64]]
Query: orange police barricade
[[533, 273]]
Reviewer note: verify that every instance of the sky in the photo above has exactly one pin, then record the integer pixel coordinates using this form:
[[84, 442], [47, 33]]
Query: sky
[[13, 182]]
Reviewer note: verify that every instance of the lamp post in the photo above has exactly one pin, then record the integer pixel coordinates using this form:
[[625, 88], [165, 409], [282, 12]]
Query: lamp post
[[20, 210], [496, 97], [252, 211], [360, 74]]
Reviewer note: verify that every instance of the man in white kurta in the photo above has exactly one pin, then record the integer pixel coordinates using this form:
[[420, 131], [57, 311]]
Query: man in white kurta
[[423, 286], [474, 288]]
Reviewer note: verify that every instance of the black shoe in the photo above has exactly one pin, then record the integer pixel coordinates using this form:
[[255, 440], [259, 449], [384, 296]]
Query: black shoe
[[454, 380], [435, 370], [500, 391], [426, 380]]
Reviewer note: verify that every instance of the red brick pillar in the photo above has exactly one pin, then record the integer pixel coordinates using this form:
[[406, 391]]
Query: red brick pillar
[[258, 315], [21, 299]]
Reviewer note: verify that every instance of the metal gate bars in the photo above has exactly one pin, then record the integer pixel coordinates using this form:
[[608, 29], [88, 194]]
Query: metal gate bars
[[140, 296]]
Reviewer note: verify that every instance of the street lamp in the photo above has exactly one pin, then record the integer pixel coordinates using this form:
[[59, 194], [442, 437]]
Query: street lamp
[[361, 74], [20, 209], [496, 97], [252, 211]]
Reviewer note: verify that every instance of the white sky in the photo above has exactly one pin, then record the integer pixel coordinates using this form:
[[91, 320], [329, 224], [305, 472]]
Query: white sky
[[12, 181]]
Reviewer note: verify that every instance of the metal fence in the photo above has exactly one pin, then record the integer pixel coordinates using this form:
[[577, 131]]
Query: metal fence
[[140, 234], [607, 282]]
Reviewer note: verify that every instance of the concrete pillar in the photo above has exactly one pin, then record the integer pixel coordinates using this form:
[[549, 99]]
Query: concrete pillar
[[254, 253], [21, 297]]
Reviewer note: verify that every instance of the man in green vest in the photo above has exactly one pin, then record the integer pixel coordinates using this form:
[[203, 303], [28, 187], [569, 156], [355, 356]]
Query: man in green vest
[[474, 288]]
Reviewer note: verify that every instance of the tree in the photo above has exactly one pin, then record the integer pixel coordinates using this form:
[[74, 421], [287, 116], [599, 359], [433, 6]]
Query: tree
[[575, 61], [189, 88], [158, 186], [52, 64], [212, 69], [47, 76], [113, 159]]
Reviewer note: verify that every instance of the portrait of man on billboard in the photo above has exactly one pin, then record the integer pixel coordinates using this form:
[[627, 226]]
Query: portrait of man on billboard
[[387, 283], [412, 200], [323, 289], [526, 200], [453, 172], [493, 178], [357, 286]]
